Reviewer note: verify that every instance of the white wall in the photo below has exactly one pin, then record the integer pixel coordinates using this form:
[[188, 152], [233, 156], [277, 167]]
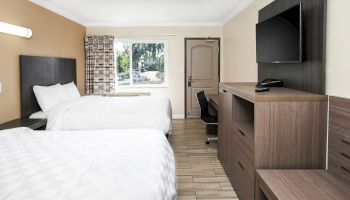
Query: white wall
[[239, 45], [338, 48], [175, 90]]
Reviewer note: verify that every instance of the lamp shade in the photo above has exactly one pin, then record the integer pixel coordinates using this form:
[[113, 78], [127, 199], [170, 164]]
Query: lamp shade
[[15, 30]]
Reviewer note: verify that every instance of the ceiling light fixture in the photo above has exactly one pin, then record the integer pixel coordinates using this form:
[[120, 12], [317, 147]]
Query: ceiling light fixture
[[15, 30]]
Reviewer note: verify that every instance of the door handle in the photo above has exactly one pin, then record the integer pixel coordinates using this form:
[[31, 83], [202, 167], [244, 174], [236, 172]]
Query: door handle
[[189, 81]]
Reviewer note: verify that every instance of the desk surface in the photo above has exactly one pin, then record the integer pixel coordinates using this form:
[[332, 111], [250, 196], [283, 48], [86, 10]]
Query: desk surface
[[278, 94], [301, 184], [214, 100]]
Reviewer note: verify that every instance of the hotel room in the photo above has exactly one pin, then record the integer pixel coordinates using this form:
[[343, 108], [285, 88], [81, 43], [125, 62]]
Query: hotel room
[[190, 99]]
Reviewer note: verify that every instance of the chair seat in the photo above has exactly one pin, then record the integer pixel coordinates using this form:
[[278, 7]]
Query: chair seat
[[208, 119]]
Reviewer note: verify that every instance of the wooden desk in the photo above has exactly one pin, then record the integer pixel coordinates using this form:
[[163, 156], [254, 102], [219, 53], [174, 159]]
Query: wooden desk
[[214, 100], [299, 184]]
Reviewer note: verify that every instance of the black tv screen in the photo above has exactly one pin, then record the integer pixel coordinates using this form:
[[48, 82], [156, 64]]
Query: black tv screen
[[279, 39]]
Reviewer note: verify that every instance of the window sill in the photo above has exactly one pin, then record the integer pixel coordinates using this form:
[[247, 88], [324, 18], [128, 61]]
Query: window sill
[[142, 86]]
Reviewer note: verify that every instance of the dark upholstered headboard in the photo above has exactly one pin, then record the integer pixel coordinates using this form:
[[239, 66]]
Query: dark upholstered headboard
[[43, 71]]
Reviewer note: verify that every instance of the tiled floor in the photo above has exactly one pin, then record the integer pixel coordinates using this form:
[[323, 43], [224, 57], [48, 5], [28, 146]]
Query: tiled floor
[[199, 172]]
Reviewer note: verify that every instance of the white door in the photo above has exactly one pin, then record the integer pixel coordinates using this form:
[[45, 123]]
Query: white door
[[202, 71]]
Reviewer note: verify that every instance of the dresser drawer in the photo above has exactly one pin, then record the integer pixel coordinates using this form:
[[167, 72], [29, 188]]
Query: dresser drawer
[[339, 155], [340, 145], [244, 142], [242, 175]]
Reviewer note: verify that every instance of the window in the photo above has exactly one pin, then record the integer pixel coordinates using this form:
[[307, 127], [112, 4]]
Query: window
[[141, 63]]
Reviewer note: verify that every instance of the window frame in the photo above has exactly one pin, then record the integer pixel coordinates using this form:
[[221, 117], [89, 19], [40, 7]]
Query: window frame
[[132, 85]]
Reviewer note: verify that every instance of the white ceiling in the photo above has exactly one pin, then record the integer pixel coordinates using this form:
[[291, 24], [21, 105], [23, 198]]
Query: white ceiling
[[146, 12]]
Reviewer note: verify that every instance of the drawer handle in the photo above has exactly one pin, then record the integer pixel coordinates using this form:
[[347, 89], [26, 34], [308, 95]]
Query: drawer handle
[[240, 165], [345, 142], [345, 155], [345, 169], [241, 132]]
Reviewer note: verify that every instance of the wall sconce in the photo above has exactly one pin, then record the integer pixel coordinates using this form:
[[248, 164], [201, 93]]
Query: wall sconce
[[15, 30]]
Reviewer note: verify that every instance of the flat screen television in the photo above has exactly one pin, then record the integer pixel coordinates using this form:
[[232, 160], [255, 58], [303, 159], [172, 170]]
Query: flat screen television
[[279, 39]]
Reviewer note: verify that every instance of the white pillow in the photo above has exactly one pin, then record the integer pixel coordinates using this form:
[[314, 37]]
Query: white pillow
[[38, 115], [72, 90], [49, 96]]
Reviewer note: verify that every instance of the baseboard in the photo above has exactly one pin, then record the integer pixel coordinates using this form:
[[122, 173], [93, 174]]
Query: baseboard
[[178, 116]]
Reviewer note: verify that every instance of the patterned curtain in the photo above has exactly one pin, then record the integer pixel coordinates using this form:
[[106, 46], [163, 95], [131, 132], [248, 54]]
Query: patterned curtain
[[100, 64]]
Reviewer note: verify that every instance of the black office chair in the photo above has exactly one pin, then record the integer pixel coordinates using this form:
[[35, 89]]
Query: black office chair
[[211, 121]]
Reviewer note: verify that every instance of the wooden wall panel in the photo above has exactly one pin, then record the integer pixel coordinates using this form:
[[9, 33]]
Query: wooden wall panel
[[309, 75], [288, 135]]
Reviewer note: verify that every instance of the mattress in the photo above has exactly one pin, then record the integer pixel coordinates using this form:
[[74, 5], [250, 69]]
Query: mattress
[[89, 165], [97, 112]]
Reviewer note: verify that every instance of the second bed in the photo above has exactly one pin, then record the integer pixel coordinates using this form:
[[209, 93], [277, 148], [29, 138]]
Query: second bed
[[109, 164], [98, 112]]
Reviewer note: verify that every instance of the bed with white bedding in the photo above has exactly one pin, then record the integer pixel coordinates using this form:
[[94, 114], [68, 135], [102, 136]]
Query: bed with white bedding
[[65, 109], [49, 81], [94, 165], [98, 112]]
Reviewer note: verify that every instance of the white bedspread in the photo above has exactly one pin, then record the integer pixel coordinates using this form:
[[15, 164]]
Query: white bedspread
[[90, 165], [97, 112]]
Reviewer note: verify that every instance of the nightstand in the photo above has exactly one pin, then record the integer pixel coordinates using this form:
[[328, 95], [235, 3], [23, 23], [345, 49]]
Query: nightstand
[[35, 124]]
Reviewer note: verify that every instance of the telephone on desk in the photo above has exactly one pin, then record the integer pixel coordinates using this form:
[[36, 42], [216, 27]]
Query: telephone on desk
[[264, 85], [270, 82]]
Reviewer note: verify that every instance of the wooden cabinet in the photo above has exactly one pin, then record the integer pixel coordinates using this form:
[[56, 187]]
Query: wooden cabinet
[[224, 119], [279, 129]]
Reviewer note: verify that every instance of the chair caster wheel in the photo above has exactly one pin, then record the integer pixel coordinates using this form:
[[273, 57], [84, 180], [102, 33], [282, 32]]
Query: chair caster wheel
[[207, 142]]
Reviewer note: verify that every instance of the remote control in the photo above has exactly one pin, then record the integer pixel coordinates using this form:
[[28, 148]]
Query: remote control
[[262, 89]]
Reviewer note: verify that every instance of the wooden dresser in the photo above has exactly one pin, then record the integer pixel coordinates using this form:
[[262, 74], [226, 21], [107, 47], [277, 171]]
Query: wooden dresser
[[279, 129]]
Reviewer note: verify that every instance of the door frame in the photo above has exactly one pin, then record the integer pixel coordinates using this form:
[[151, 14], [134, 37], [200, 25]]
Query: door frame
[[185, 71]]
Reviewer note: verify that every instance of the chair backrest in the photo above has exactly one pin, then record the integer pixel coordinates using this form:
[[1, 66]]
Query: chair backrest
[[203, 103]]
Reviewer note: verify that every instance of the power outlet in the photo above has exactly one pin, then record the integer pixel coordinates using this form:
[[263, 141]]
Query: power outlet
[[0, 87]]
